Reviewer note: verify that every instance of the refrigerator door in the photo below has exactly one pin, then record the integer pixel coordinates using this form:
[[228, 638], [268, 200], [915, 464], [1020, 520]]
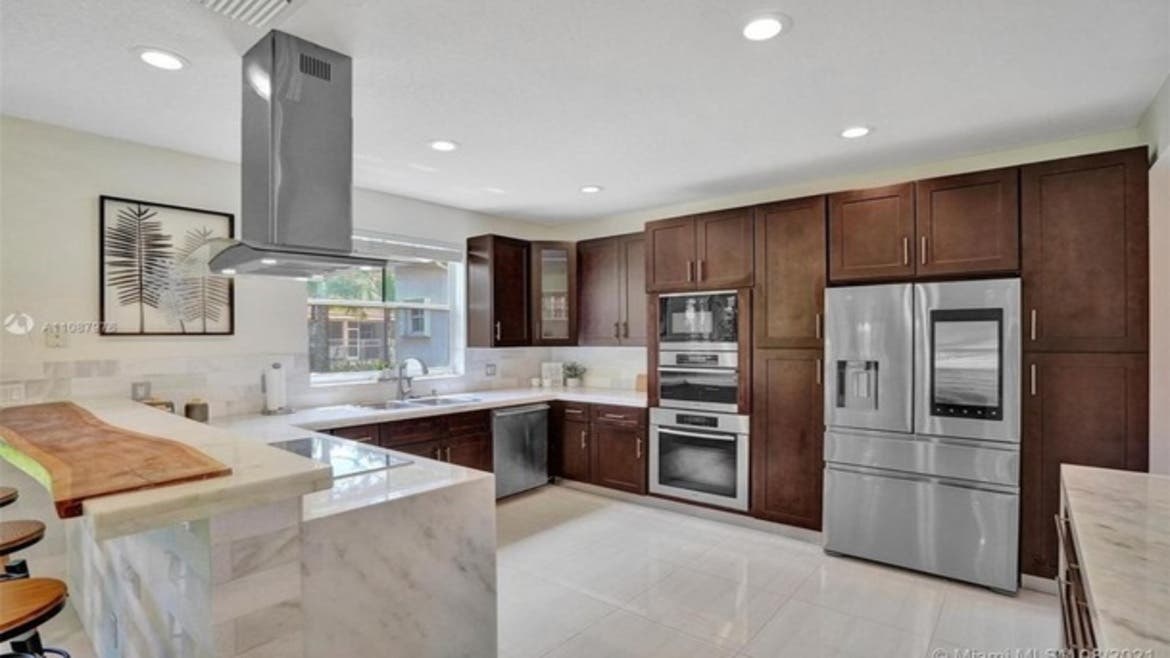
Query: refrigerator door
[[941, 526], [960, 459], [869, 357], [967, 343]]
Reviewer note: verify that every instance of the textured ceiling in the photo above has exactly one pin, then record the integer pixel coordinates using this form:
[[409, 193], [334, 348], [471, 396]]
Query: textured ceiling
[[661, 102]]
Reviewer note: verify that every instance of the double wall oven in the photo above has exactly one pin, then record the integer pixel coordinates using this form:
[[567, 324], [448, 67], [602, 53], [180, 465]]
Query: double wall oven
[[698, 440]]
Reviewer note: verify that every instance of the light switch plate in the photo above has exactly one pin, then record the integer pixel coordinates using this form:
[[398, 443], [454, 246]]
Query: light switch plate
[[489, 370]]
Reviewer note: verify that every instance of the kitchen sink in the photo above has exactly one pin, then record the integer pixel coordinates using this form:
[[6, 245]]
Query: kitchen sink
[[391, 405], [441, 401]]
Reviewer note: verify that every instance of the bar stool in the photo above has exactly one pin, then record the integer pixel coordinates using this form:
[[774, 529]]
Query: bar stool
[[17, 536], [8, 495], [25, 605]]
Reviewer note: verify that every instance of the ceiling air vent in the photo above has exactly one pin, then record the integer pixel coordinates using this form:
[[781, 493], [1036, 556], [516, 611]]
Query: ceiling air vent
[[256, 13], [318, 68]]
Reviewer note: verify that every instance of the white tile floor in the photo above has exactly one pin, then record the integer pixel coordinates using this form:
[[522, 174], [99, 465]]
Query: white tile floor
[[588, 576]]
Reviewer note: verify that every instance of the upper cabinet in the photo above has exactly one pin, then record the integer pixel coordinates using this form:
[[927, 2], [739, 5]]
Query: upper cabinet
[[788, 304], [612, 290], [554, 293], [498, 292], [701, 252], [1085, 247], [871, 234], [969, 224], [966, 225]]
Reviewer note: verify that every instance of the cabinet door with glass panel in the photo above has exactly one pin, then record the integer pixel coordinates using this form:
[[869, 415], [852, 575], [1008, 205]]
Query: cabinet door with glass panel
[[362, 322], [554, 293]]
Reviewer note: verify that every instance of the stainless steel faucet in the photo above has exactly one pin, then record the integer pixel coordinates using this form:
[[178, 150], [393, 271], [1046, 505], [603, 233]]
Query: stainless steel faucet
[[404, 383]]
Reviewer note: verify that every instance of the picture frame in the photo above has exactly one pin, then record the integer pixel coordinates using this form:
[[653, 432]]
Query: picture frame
[[141, 289]]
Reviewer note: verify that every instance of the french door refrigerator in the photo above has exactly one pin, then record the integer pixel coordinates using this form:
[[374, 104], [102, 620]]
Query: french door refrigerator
[[922, 407]]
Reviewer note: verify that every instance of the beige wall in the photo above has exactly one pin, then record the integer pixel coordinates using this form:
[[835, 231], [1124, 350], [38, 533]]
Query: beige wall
[[1155, 128]]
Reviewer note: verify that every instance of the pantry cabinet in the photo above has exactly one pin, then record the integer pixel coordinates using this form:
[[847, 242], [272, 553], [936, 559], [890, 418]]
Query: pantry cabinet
[[788, 304], [702, 252]]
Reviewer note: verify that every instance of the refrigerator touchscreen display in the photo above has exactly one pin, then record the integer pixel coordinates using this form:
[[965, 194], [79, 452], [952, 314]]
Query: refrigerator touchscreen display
[[967, 364]]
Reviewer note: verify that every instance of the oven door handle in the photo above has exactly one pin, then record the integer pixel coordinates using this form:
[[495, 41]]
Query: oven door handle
[[705, 371], [698, 435]]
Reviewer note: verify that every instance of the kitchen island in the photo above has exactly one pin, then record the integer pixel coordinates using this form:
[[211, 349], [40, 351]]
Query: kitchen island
[[1116, 561]]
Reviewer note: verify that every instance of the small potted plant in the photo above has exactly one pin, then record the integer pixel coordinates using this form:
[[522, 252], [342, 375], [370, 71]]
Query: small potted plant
[[574, 371]]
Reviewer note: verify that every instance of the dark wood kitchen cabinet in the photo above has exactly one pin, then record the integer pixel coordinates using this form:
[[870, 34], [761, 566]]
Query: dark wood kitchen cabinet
[[702, 252], [968, 224], [554, 293], [462, 438], [601, 444], [471, 451], [871, 234], [787, 437], [575, 450], [1087, 409], [612, 290], [498, 305], [620, 457], [1085, 224], [788, 304], [360, 433]]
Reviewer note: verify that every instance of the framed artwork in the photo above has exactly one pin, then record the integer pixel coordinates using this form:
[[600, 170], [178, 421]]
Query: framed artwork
[[147, 286]]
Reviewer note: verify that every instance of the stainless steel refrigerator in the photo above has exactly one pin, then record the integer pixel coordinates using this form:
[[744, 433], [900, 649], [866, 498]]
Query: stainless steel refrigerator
[[922, 406]]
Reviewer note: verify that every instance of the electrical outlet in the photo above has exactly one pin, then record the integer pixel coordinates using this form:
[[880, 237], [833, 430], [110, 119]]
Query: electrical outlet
[[55, 337], [489, 370], [11, 393]]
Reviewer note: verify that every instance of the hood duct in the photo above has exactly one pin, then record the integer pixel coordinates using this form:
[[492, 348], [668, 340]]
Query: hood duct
[[297, 164]]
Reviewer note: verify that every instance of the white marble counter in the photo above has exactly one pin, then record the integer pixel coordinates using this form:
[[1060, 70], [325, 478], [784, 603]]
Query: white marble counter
[[1121, 529], [260, 474]]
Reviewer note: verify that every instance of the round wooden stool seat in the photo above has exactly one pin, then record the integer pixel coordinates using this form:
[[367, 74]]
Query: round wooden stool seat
[[27, 603], [18, 535], [8, 495]]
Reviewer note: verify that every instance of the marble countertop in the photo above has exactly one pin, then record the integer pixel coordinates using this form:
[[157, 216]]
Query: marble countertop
[[1121, 529], [259, 474]]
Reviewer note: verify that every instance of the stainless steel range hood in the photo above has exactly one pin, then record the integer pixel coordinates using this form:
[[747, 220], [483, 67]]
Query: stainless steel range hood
[[297, 144]]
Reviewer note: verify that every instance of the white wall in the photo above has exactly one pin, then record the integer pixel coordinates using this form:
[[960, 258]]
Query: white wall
[[1155, 128], [50, 180], [632, 222]]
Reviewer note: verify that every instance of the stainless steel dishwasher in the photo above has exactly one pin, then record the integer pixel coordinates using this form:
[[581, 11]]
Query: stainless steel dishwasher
[[520, 448]]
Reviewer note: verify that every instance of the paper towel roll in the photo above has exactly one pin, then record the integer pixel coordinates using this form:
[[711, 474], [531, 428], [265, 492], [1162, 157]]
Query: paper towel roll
[[275, 390]]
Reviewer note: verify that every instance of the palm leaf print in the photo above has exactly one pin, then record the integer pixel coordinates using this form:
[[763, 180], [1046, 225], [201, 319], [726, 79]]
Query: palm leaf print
[[202, 298], [139, 258]]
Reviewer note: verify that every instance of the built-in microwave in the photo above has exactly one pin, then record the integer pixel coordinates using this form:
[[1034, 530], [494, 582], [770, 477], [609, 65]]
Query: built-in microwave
[[703, 321]]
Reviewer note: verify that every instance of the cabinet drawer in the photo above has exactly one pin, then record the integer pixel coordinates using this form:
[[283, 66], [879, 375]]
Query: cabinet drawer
[[411, 431], [576, 411], [362, 433], [613, 414], [471, 422]]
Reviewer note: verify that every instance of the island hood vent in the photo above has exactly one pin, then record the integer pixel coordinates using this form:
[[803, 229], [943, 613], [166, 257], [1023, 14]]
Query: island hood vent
[[297, 164]]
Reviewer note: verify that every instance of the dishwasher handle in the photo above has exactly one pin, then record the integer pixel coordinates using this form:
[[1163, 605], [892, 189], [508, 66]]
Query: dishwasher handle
[[516, 411]]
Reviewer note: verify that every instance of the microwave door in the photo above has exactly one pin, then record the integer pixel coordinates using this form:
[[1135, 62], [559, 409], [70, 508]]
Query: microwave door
[[698, 321], [967, 337], [869, 357]]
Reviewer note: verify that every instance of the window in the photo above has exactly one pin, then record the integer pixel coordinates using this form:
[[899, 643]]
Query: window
[[362, 321]]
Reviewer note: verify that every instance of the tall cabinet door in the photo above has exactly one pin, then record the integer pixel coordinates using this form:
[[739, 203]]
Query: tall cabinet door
[[871, 234], [599, 267], [789, 302], [1088, 409], [724, 256], [787, 437], [969, 224], [632, 252], [510, 287], [670, 255], [1085, 247]]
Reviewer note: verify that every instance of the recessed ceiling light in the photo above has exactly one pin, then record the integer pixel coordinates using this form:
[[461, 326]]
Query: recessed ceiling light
[[591, 189], [161, 59], [444, 145], [853, 132], [228, 271], [268, 261], [494, 190], [762, 28]]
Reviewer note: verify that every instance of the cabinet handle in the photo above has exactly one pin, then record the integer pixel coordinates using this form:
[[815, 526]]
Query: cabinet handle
[[583, 434], [438, 453], [625, 329], [638, 454], [1033, 330], [818, 372], [700, 267], [497, 329], [690, 271], [617, 330], [615, 416], [1032, 371], [447, 452], [573, 411], [818, 327], [924, 250], [905, 250]]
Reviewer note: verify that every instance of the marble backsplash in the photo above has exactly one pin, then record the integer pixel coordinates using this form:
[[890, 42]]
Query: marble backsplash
[[231, 384]]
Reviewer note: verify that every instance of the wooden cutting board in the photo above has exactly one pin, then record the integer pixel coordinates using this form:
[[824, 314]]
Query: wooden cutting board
[[78, 456]]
